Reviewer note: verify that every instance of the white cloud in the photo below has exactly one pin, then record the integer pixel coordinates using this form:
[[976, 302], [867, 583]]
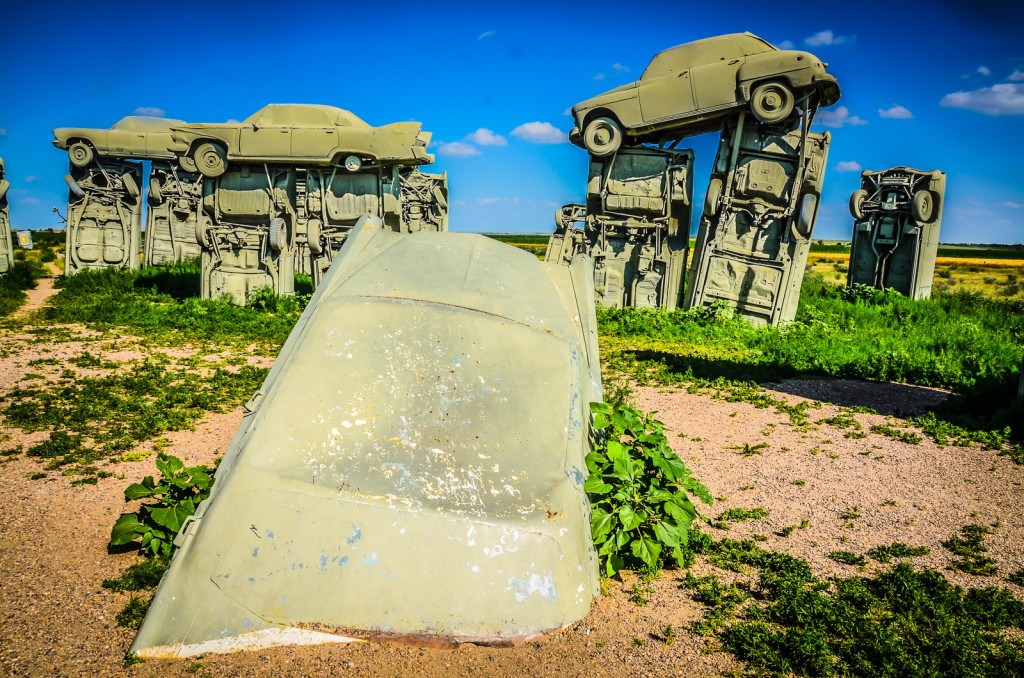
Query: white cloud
[[150, 110], [1012, 204], [785, 44], [1016, 76], [896, 112], [485, 137], [599, 76], [824, 38], [567, 111], [539, 133], [3, 132], [984, 70], [620, 68], [457, 149], [32, 178], [29, 200], [839, 117], [485, 34], [848, 166], [1001, 99]]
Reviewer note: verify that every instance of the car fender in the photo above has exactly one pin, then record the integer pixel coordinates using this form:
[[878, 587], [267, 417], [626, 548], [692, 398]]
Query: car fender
[[795, 70]]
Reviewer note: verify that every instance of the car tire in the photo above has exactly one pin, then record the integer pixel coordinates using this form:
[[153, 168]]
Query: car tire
[[805, 215], [602, 137], [203, 227], [771, 102], [187, 164], [313, 228], [73, 186], [131, 187], [4, 185], [156, 195], [210, 160], [857, 203], [923, 206], [278, 236], [712, 197], [80, 154]]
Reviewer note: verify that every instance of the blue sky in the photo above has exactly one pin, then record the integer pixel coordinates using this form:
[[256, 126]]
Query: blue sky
[[928, 87]]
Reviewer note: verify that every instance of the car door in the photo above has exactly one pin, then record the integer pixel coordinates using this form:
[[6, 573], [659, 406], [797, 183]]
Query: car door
[[264, 141], [714, 81], [666, 96]]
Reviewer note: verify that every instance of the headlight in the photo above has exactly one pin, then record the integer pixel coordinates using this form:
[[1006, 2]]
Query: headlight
[[352, 163]]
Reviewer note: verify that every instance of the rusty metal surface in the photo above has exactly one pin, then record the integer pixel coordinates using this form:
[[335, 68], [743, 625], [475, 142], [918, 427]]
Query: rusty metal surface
[[413, 464]]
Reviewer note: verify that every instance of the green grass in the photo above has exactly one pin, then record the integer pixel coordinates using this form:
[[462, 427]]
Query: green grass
[[15, 283], [161, 304], [782, 620], [968, 343]]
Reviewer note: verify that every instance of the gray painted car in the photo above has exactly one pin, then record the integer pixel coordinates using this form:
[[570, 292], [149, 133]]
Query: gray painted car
[[412, 467], [691, 88]]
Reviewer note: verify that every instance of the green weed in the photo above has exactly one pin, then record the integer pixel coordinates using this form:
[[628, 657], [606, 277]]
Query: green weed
[[134, 612], [848, 558], [971, 549], [885, 554]]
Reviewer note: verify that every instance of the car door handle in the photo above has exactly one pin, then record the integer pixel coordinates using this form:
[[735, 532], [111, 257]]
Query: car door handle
[[683, 73], [734, 61]]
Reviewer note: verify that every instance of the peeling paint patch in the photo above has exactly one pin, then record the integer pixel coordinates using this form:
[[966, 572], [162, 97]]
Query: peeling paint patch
[[526, 587], [357, 534]]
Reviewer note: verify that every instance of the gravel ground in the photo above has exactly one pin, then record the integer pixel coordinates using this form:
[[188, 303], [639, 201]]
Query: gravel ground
[[56, 619]]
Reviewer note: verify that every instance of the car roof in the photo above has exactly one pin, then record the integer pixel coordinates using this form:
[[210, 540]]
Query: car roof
[[705, 51], [304, 115], [146, 123]]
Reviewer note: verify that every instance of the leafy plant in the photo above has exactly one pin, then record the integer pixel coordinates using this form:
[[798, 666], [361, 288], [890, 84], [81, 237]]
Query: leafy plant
[[885, 554], [640, 491], [134, 612], [848, 558], [176, 496], [971, 549], [143, 575]]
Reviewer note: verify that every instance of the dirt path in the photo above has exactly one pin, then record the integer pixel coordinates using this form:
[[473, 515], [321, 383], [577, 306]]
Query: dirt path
[[36, 297], [56, 619]]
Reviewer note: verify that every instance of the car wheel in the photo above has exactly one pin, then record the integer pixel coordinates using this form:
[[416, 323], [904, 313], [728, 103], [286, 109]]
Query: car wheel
[[80, 154], [4, 185], [131, 187], [712, 197], [313, 236], [602, 137], [73, 186], [156, 196], [857, 203], [278, 234], [203, 226], [187, 164], [805, 216], [771, 102], [923, 206], [210, 160]]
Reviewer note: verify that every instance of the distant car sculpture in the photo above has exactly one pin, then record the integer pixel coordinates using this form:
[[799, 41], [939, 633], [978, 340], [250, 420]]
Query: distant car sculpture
[[897, 216], [692, 88], [759, 213], [636, 227], [302, 134], [175, 208], [403, 472], [6, 244], [135, 136], [104, 221]]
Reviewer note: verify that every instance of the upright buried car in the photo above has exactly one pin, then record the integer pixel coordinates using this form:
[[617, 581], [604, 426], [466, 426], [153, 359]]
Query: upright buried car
[[6, 246], [689, 89], [302, 134], [134, 136], [897, 216], [413, 465]]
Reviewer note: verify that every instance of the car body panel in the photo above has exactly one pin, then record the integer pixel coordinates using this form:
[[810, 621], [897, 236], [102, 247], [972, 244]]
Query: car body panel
[[690, 88], [635, 227], [175, 206], [134, 136], [308, 133], [6, 243], [890, 248], [403, 472], [104, 225], [752, 243]]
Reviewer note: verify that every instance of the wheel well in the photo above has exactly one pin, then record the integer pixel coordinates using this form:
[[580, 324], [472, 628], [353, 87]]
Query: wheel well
[[600, 113], [206, 140], [781, 79]]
